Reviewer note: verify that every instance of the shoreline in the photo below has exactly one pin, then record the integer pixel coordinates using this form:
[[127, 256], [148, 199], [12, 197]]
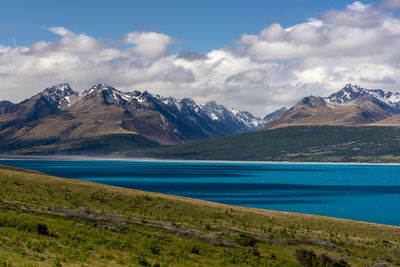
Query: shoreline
[[241, 206], [221, 204], [111, 158]]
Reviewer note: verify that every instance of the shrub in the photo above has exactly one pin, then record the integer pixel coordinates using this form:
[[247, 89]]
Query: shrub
[[42, 229], [195, 249], [246, 240], [310, 259], [307, 257]]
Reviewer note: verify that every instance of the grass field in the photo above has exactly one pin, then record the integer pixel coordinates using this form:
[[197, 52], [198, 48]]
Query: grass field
[[49, 221], [296, 143]]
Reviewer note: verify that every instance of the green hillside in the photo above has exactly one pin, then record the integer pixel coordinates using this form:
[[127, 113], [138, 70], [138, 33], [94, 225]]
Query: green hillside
[[99, 145], [296, 143], [48, 221]]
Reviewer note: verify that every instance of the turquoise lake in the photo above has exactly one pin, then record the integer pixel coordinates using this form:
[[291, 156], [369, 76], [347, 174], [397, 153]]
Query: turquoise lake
[[359, 192]]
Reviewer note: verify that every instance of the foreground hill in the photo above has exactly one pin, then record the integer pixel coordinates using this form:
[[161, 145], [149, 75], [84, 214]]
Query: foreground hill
[[60, 115], [48, 221], [294, 143], [352, 105]]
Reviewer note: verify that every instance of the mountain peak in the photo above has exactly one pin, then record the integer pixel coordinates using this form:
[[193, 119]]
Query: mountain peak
[[110, 95], [352, 87], [98, 89], [345, 95], [101, 87], [60, 90], [312, 101], [354, 93], [59, 95], [6, 106], [188, 102], [211, 103]]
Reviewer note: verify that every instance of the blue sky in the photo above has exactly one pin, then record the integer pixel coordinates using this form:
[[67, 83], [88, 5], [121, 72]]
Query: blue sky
[[249, 55], [196, 25]]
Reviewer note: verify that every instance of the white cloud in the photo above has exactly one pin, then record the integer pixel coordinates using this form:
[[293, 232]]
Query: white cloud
[[389, 4], [59, 30], [357, 6], [150, 45], [276, 67]]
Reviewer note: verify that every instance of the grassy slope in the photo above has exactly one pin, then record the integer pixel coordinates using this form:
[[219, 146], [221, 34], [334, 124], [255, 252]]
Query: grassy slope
[[53, 221], [296, 143]]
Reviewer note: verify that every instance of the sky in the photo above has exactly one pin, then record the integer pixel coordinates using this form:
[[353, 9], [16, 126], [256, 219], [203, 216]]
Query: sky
[[249, 55]]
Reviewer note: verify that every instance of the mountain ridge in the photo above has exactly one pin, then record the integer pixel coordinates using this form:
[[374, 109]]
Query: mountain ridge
[[59, 114], [350, 106]]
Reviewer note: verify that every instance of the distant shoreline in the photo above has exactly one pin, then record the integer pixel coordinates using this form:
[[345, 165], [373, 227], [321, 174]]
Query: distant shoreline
[[111, 158]]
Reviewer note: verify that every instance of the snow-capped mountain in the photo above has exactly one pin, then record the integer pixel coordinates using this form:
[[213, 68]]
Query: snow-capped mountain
[[50, 101], [241, 120], [60, 114], [174, 103], [247, 119], [354, 94], [274, 114], [352, 105], [230, 118], [60, 95], [111, 95]]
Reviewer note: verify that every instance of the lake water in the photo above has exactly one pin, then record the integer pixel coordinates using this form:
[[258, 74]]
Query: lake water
[[359, 192]]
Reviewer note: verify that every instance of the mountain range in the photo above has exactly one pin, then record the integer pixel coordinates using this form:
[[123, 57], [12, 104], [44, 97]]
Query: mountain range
[[60, 115], [59, 119], [352, 125], [350, 106]]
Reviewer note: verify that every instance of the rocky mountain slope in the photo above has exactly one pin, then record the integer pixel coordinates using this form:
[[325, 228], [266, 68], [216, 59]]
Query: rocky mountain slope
[[60, 114], [352, 105]]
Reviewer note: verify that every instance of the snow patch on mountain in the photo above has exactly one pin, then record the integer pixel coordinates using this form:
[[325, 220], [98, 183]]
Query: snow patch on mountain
[[59, 95], [139, 99], [352, 92], [64, 97], [248, 119], [213, 116], [170, 101], [110, 94], [216, 113]]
